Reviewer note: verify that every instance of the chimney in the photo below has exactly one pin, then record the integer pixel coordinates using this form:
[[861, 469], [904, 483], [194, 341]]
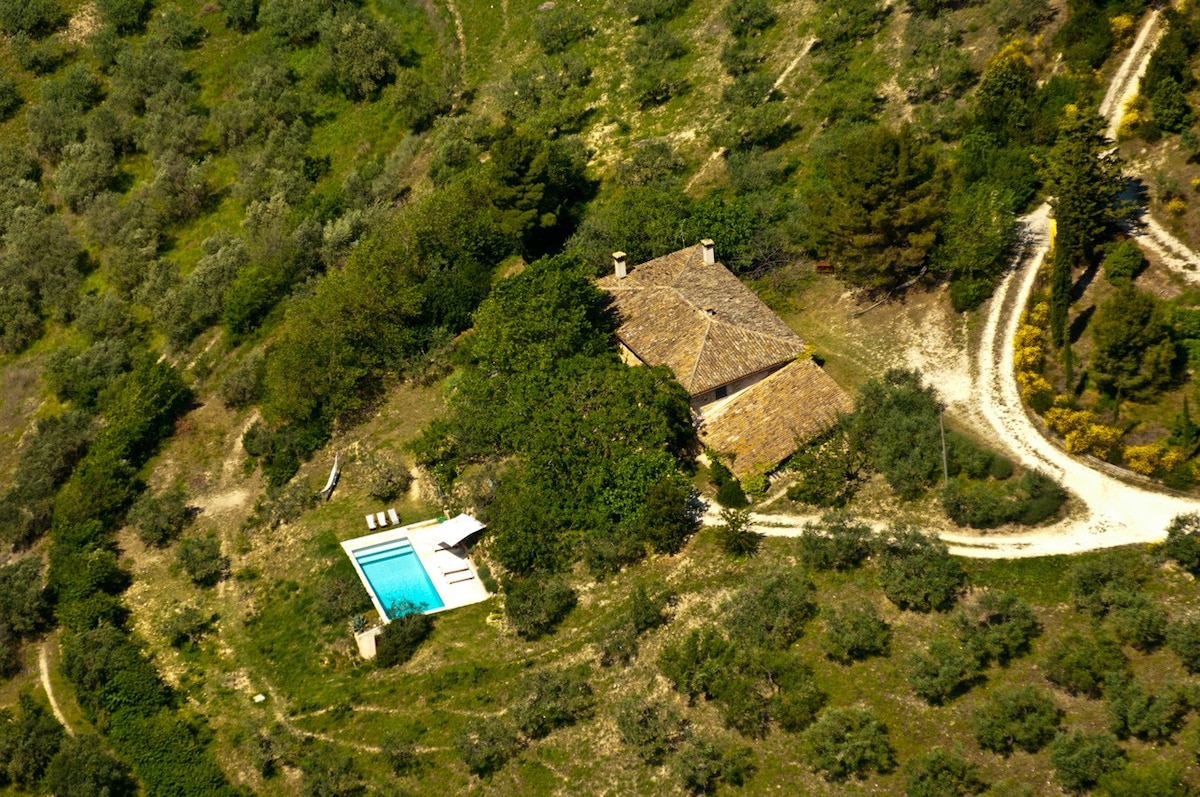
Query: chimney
[[619, 264], [710, 256]]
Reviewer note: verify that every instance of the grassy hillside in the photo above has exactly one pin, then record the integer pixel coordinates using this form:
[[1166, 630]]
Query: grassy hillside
[[242, 237]]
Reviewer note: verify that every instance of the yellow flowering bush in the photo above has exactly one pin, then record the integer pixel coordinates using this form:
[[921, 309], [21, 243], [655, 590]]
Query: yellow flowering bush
[[1196, 183], [1035, 390], [1121, 27], [1130, 120], [1151, 459], [1028, 346], [1142, 459], [1176, 206], [1080, 432]]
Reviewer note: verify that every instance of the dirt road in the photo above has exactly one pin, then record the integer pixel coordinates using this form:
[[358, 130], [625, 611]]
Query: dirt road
[[1115, 512]]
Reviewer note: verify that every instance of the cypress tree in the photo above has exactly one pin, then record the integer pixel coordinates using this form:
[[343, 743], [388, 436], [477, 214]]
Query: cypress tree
[[1084, 176]]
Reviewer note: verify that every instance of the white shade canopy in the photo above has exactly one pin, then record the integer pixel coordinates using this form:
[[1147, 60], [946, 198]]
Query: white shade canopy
[[458, 528]]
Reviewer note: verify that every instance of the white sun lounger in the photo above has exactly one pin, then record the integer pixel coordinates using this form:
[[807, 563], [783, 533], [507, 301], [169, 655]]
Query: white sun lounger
[[381, 519], [450, 568], [458, 578], [395, 518], [371, 522]]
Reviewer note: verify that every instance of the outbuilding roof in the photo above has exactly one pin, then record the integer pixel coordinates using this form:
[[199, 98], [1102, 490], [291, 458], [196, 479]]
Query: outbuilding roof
[[762, 425]]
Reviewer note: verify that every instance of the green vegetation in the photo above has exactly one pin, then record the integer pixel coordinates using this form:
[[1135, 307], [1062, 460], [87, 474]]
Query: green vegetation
[[372, 228]]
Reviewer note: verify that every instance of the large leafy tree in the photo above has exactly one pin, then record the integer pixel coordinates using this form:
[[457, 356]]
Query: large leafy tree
[[1134, 353], [896, 423], [592, 438], [879, 209]]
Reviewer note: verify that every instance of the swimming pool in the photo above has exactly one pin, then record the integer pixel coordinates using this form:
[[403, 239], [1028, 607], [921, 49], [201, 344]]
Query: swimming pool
[[396, 574]]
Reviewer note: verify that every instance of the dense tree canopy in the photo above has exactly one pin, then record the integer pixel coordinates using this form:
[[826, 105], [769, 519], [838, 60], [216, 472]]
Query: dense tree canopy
[[879, 209]]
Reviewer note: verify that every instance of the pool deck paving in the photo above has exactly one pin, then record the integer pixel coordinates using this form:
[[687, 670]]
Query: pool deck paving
[[452, 573]]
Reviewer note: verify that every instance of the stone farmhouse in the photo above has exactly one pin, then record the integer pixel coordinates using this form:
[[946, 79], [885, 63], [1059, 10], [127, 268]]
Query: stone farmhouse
[[755, 390]]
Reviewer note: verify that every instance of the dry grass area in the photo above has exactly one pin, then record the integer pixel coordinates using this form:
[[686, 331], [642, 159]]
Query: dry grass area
[[20, 397]]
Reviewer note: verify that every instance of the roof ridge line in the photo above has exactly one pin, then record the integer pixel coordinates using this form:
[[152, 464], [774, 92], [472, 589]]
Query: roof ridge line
[[703, 345]]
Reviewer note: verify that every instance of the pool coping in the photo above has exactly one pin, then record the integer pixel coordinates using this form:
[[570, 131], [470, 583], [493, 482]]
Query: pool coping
[[426, 545]]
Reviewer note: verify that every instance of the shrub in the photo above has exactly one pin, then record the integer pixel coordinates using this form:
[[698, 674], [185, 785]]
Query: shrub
[[619, 644], [1183, 541], [731, 495], [827, 470], [557, 28], [1080, 759], [159, 519], [553, 699], [362, 54], [1183, 637], [943, 671], [705, 763], [772, 610], [1042, 497], [127, 16], [241, 15], [967, 293], [30, 17], [798, 700], [696, 663], [656, 10], [187, 626], [653, 728], [24, 607], [535, 606], [400, 638], [1140, 623], [1022, 717], [718, 473], [10, 98], [486, 745], [735, 536], [1157, 778], [243, 386], [386, 475], [837, 542], [669, 515], [917, 571], [1099, 583], [847, 741], [747, 17], [1081, 664], [939, 773], [1000, 468], [647, 608], [854, 632], [978, 504], [1134, 711], [28, 742], [201, 558], [1123, 262], [1000, 629], [83, 766]]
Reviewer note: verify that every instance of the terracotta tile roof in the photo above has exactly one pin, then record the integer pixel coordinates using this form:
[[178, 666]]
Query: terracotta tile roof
[[698, 319], [760, 425]]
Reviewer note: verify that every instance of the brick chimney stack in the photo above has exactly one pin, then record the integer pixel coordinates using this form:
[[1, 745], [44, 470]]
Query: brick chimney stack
[[710, 255], [619, 264]]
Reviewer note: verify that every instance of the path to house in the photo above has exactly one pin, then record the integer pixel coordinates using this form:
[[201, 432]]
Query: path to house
[[1114, 512]]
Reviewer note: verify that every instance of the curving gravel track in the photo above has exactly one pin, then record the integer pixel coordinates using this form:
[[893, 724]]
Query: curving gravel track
[[1115, 512]]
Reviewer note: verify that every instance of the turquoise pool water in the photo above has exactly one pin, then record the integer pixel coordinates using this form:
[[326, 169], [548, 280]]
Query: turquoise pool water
[[397, 575]]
